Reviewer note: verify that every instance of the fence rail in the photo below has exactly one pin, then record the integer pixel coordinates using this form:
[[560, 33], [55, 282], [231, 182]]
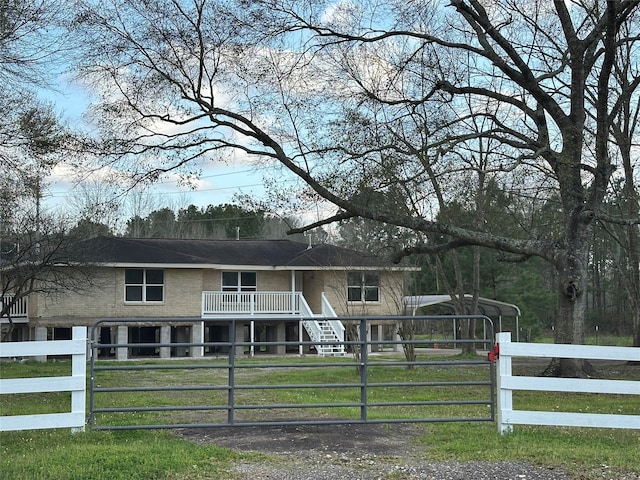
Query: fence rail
[[75, 383], [506, 384]]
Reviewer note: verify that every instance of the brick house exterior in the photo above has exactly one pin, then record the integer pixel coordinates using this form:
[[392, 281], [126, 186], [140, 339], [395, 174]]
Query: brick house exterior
[[179, 291]]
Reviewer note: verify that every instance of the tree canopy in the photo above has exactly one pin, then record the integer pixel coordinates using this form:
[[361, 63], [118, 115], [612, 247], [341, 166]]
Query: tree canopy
[[429, 100]]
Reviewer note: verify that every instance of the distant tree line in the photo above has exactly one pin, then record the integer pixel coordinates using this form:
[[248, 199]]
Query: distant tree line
[[225, 221]]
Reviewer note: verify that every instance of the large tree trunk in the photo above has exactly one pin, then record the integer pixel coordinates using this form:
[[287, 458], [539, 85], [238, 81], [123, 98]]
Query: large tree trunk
[[470, 324], [468, 332], [572, 302]]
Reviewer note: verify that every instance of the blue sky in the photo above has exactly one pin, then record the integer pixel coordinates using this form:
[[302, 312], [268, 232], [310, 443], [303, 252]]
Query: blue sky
[[217, 185]]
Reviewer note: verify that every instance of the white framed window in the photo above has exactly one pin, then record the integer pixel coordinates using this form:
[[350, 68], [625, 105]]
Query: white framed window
[[239, 282], [143, 285], [363, 287]]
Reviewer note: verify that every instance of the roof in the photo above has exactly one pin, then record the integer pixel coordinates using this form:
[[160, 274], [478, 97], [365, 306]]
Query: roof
[[285, 254], [488, 307]]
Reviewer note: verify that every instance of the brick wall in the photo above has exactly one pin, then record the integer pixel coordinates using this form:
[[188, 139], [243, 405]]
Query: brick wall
[[276, 281], [183, 295], [391, 294]]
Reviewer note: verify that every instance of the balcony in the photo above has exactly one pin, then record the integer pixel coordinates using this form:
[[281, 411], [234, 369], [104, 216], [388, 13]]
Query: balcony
[[325, 330], [216, 304], [18, 311]]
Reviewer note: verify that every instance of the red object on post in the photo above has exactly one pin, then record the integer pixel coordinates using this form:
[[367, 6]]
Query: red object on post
[[494, 353]]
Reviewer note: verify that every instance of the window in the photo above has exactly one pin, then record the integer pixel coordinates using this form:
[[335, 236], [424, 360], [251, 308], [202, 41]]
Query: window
[[239, 282], [363, 287], [143, 285]]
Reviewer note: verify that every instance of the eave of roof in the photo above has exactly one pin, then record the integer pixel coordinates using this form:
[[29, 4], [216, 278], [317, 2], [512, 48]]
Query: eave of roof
[[211, 266]]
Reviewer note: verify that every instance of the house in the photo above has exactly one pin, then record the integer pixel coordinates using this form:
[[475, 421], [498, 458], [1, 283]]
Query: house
[[149, 290]]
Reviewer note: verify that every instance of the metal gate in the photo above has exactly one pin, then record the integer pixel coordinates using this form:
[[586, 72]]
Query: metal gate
[[394, 370]]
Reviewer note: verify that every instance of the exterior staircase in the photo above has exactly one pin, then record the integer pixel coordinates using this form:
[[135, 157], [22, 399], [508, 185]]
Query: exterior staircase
[[325, 333]]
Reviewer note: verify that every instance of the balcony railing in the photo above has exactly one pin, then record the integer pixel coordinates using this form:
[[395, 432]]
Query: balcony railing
[[19, 309], [250, 303]]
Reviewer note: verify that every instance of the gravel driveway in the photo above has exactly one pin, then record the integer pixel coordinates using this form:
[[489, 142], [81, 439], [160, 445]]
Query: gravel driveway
[[353, 452]]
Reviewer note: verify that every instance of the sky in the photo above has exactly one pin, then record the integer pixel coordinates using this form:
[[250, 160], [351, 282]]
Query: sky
[[218, 184]]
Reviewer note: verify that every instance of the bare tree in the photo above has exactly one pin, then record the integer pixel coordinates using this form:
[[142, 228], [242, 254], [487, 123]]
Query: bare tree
[[624, 127], [33, 245], [343, 90], [36, 259], [30, 45]]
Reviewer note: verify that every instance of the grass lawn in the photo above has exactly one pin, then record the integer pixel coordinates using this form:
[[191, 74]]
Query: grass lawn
[[130, 455], [159, 454]]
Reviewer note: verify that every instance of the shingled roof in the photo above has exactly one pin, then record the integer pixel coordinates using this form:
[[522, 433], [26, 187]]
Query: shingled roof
[[256, 253]]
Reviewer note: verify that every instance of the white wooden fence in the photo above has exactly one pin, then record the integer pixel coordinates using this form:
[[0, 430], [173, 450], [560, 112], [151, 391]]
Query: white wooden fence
[[76, 383], [506, 384]]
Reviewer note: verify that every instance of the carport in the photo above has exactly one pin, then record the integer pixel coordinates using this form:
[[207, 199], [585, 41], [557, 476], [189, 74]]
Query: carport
[[491, 308]]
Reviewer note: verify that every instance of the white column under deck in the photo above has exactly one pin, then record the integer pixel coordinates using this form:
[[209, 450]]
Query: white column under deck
[[165, 337], [252, 334], [41, 336], [122, 353], [197, 336], [293, 289], [300, 326], [300, 337]]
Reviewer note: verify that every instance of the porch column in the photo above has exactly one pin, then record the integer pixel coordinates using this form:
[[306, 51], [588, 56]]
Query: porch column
[[396, 337], [240, 338], [300, 338], [41, 336], [165, 337], [197, 336], [122, 353], [281, 336], [293, 291], [376, 335]]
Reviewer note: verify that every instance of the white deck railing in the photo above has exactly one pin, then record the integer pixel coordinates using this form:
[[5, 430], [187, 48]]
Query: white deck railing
[[76, 383], [219, 304], [19, 309], [250, 303], [507, 383]]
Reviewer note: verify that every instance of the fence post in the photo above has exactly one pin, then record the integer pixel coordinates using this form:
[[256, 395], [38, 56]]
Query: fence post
[[364, 365], [505, 396], [79, 370]]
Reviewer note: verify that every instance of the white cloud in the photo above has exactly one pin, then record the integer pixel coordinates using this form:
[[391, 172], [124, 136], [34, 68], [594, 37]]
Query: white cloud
[[341, 13]]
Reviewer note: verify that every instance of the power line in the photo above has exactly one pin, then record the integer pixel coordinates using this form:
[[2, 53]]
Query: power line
[[66, 194]]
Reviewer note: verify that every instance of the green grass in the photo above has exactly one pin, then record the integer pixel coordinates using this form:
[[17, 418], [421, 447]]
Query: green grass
[[131, 455], [604, 340], [159, 454], [585, 453], [305, 381]]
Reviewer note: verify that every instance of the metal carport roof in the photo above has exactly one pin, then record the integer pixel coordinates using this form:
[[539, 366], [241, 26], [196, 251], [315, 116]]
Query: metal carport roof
[[488, 307], [491, 308]]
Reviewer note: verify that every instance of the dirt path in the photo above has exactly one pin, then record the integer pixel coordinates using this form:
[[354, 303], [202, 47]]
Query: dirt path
[[352, 452]]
